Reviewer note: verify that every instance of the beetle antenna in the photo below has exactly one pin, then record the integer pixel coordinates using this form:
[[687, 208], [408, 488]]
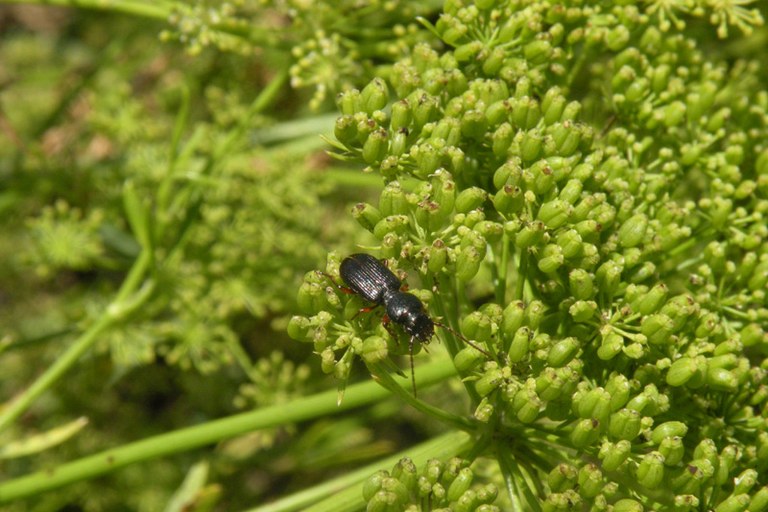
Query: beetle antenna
[[465, 340], [413, 373]]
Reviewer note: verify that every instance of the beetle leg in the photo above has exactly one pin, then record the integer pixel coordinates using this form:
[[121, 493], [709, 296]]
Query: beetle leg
[[413, 373], [341, 287]]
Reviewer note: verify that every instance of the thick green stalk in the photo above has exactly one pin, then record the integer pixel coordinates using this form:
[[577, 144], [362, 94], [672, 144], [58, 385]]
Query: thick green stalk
[[320, 405]]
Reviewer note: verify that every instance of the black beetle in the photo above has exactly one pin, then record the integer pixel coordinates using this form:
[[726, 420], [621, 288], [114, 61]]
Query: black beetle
[[369, 278], [373, 281]]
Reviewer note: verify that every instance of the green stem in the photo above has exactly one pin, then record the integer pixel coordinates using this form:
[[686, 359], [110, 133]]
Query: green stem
[[115, 312], [316, 406], [385, 379], [159, 10]]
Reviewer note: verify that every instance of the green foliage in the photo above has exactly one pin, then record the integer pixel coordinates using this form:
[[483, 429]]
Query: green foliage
[[579, 189]]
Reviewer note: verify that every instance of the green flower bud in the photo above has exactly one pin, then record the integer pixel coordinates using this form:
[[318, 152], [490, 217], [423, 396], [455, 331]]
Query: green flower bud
[[566, 138], [650, 471], [508, 174], [345, 130], [588, 229], [637, 90], [543, 177], [513, 318], [618, 388], [437, 256], [427, 159], [477, 326], [366, 215], [468, 263], [632, 231], [349, 102], [534, 312], [550, 385], [299, 328], [657, 328], [555, 213], [538, 51], [374, 96], [590, 481], [397, 146], [571, 192], [721, 379], [470, 199], [585, 433], [759, 277], [401, 115], [672, 449], [735, 503], [562, 352], [390, 224], [624, 424], [530, 234], [581, 284], [390, 245], [526, 405], [634, 350], [613, 455], [759, 501], [608, 277], [460, 484], [468, 502], [568, 500], [392, 200], [489, 381], [673, 114], [373, 484], [562, 477], [405, 471], [518, 349], [447, 131], [553, 105], [452, 470], [387, 500], [530, 144], [526, 113], [489, 230], [429, 215], [583, 311], [424, 109], [468, 51], [617, 38], [474, 124], [668, 429], [484, 411], [551, 259], [571, 112], [493, 63], [501, 140], [374, 349], [745, 481], [509, 200], [375, 146], [681, 371], [433, 470], [707, 449], [311, 297], [627, 505], [571, 244], [651, 301]]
